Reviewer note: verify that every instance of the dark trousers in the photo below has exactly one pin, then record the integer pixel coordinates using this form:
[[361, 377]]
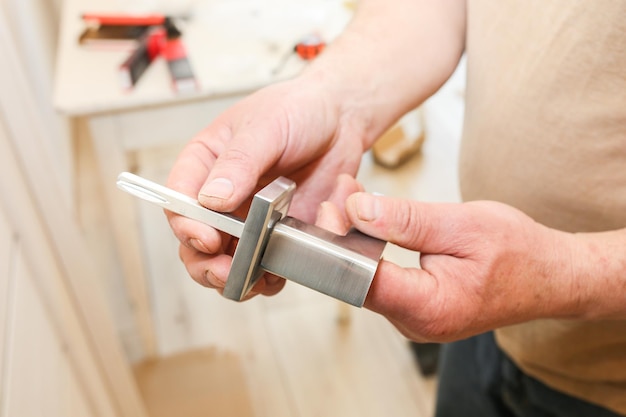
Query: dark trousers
[[476, 379]]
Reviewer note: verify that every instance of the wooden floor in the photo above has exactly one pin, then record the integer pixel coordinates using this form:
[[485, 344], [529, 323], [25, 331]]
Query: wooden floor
[[288, 355]]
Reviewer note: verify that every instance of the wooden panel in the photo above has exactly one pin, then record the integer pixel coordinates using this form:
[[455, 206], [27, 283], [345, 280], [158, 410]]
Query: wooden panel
[[30, 234], [58, 258], [111, 160], [94, 220], [39, 377], [7, 246], [34, 26]]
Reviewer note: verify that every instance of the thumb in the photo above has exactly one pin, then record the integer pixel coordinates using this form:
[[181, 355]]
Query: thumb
[[423, 227], [238, 169]]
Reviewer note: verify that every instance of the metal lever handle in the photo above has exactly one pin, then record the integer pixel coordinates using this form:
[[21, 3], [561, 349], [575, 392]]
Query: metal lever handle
[[178, 203], [342, 267]]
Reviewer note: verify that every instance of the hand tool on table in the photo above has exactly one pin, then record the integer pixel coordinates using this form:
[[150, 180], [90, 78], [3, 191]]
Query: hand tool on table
[[342, 267], [153, 36], [307, 49]]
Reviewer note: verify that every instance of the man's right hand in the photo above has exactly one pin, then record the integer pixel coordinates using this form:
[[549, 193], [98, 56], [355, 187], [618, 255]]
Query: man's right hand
[[293, 129]]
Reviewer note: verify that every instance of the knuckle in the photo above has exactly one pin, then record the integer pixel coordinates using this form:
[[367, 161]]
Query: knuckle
[[235, 158], [407, 219], [235, 155]]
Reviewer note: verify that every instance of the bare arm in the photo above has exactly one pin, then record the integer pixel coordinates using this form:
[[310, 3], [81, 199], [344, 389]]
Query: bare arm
[[599, 271], [391, 58]]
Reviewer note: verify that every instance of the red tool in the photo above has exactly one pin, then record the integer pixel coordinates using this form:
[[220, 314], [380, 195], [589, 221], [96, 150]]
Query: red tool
[[175, 54], [123, 19], [156, 35], [149, 48], [117, 31], [161, 41], [307, 49], [310, 47]]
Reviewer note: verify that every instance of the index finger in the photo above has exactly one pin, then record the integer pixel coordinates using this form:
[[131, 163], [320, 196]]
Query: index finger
[[187, 176]]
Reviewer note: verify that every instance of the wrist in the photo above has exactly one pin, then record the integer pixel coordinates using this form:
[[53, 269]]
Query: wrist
[[599, 274], [348, 97]]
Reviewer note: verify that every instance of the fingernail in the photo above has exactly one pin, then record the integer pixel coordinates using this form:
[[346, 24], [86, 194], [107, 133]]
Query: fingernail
[[367, 207], [213, 279], [198, 245], [221, 188]]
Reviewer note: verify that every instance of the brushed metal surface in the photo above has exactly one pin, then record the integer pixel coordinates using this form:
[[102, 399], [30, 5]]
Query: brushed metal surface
[[342, 267], [268, 206]]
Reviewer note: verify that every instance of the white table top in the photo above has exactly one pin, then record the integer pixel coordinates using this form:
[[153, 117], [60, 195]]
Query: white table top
[[234, 46]]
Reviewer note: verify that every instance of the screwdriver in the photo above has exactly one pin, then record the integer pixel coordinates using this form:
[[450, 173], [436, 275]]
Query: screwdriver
[[307, 49]]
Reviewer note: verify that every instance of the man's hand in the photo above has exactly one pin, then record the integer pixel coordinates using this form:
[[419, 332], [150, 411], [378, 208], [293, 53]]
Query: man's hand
[[291, 129], [483, 264]]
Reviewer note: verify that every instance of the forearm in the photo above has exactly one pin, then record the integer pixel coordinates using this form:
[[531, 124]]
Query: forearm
[[599, 270], [390, 58]]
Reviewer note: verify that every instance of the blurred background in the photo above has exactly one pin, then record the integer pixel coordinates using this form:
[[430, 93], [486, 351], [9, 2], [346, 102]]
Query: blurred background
[[97, 314]]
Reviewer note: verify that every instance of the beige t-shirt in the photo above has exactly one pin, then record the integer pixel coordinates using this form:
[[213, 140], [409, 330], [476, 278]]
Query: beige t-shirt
[[545, 131]]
